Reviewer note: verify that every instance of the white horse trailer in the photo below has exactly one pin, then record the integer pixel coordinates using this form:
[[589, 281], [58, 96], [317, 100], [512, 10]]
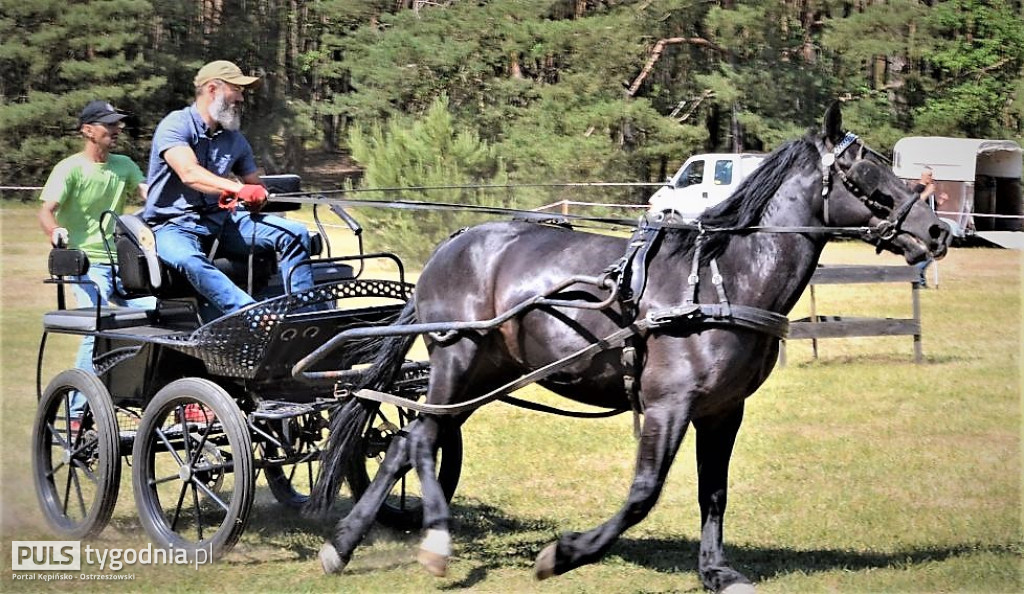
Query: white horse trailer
[[982, 179]]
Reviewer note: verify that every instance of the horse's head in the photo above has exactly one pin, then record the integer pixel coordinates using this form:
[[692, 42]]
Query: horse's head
[[860, 189]]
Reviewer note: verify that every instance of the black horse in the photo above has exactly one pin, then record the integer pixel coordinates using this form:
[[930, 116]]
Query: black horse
[[766, 240]]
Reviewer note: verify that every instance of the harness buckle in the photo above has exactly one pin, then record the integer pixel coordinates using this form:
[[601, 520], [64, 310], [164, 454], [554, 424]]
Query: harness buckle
[[669, 315]]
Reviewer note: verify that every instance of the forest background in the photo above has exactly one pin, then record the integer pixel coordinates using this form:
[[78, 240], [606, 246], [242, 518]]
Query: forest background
[[400, 93]]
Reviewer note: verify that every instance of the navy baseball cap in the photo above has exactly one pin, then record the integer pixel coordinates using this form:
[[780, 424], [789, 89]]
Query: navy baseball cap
[[99, 112]]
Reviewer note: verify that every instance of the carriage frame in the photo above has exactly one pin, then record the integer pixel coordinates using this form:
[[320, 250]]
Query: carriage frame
[[199, 410]]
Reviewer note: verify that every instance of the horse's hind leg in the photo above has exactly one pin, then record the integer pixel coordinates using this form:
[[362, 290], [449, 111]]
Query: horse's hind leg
[[715, 440], [336, 553], [467, 364], [453, 368], [664, 427], [435, 549]]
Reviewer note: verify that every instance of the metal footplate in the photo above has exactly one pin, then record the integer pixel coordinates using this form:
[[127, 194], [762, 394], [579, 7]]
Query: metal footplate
[[280, 409]]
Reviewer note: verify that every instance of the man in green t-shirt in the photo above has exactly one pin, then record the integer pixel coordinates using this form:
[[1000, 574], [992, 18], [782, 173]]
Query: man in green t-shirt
[[79, 190]]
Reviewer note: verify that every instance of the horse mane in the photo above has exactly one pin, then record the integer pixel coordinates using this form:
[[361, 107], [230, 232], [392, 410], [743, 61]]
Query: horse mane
[[746, 206]]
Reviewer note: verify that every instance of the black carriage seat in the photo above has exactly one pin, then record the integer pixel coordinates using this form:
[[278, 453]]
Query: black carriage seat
[[91, 319], [64, 263], [143, 273]]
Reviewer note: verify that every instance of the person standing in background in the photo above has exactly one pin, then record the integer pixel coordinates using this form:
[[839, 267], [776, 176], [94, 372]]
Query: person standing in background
[[78, 191], [925, 190]]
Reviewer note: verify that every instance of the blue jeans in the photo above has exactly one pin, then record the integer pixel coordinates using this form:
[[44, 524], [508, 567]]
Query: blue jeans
[[88, 295], [922, 267], [182, 248]]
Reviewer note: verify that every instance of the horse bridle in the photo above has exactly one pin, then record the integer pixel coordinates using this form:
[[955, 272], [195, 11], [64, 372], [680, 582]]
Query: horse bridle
[[887, 229]]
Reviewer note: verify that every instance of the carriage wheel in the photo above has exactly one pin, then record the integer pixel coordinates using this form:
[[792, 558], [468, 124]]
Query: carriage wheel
[[77, 463], [403, 509], [291, 484], [192, 472]]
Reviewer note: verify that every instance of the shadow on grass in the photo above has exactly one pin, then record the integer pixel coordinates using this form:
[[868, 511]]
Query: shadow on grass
[[489, 539], [676, 556], [492, 540], [826, 361], [761, 563]]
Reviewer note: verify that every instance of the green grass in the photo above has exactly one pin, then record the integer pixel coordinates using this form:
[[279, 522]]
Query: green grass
[[856, 472]]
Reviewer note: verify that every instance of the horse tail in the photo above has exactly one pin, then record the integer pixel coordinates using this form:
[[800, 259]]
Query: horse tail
[[388, 359], [347, 422]]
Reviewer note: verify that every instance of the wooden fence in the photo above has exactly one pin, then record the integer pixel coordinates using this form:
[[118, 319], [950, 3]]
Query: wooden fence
[[819, 326]]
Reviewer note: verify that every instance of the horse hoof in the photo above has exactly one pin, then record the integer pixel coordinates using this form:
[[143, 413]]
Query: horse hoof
[[544, 566], [330, 560], [435, 563], [738, 588]]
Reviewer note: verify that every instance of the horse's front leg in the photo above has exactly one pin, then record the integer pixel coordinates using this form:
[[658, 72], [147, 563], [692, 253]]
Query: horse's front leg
[[715, 440], [337, 552], [665, 425]]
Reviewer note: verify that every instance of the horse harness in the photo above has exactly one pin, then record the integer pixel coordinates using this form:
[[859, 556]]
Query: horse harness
[[862, 181], [626, 280], [630, 271], [629, 281]]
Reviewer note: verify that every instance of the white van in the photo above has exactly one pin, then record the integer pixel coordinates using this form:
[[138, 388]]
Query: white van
[[703, 181]]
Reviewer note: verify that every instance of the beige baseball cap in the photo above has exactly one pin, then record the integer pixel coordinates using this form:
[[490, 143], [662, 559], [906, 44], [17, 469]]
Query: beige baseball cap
[[225, 71]]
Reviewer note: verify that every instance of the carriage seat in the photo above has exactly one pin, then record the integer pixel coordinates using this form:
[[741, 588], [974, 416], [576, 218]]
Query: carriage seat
[[143, 273], [64, 263], [88, 319]]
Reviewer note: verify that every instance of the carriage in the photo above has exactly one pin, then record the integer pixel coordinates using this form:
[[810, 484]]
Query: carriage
[[680, 323], [198, 411]]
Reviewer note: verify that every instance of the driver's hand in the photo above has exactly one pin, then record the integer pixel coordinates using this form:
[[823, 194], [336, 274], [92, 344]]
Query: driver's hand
[[254, 196]]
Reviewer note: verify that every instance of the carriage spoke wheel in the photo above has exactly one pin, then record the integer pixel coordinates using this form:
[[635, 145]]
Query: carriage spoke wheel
[[76, 459], [192, 470], [292, 483], [403, 508]]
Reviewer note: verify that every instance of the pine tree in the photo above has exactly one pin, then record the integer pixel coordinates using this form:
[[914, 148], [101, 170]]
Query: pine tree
[[55, 57], [429, 156]]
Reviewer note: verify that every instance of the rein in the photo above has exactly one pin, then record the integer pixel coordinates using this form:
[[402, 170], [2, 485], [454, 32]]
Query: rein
[[542, 217]]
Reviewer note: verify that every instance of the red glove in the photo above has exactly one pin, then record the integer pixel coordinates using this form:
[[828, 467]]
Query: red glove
[[228, 201], [253, 195]]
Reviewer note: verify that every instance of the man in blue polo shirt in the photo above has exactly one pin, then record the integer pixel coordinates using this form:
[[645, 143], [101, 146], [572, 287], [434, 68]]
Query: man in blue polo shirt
[[197, 155]]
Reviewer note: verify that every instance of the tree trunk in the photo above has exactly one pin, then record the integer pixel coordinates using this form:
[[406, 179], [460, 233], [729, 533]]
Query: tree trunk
[[579, 8]]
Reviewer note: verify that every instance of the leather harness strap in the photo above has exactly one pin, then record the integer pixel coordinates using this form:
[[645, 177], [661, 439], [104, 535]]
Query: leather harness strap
[[632, 268]]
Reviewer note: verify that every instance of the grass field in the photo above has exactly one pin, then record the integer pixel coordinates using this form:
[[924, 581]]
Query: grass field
[[856, 472]]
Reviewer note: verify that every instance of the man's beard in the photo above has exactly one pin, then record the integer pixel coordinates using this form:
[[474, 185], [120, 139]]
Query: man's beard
[[228, 116]]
